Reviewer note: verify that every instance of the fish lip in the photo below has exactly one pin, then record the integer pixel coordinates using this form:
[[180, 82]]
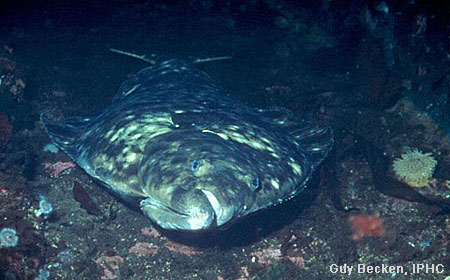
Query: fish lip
[[201, 218], [196, 223], [216, 206]]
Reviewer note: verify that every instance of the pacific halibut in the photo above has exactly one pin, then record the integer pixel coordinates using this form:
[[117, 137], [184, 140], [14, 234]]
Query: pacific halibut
[[190, 156]]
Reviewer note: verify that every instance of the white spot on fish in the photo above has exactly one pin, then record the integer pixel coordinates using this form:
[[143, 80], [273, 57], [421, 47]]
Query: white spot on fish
[[274, 183], [131, 157], [296, 168]]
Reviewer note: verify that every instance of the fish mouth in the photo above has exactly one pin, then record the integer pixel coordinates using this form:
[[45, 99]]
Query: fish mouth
[[201, 214], [195, 210], [214, 202], [222, 214], [206, 212], [189, 211]]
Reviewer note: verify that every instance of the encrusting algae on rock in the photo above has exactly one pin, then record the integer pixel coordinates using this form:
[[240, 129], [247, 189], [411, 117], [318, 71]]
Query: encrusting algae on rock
[[415, 168]]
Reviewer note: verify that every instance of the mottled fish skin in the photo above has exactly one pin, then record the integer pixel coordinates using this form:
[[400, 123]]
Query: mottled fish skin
[[191, 156]]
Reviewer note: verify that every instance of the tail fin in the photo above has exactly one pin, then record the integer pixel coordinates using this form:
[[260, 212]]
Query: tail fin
[[64, 134], [316, 140]]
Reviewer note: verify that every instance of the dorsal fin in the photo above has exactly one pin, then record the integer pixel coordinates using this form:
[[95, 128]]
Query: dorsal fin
[[65, 133], [279, 115], [165, 74], [316, 140]]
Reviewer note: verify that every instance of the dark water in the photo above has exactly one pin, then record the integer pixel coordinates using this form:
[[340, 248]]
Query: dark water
[[379, 73]]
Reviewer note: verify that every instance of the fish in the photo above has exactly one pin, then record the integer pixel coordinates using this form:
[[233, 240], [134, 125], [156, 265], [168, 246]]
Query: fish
[[179, 147]]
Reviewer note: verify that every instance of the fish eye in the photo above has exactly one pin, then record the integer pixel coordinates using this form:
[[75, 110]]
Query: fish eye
[[195, 165], [255, 184], [200, 167]]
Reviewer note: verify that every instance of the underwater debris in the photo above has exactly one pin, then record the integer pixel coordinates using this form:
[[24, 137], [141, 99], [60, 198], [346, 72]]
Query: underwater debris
[[267, 257], [287, 242], [85, 199], [181, 248], [58, 167], [298, 261], [109, 266], [366, 225], [150, 232], [415, 168], [273, 256], [144, 249], [8, 237]]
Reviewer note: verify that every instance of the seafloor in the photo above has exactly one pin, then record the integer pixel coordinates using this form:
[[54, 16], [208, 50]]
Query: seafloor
[[328, 64]]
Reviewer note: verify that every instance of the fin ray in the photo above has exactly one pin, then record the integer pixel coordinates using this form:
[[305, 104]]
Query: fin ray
[[316, 140], [64, 134]]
